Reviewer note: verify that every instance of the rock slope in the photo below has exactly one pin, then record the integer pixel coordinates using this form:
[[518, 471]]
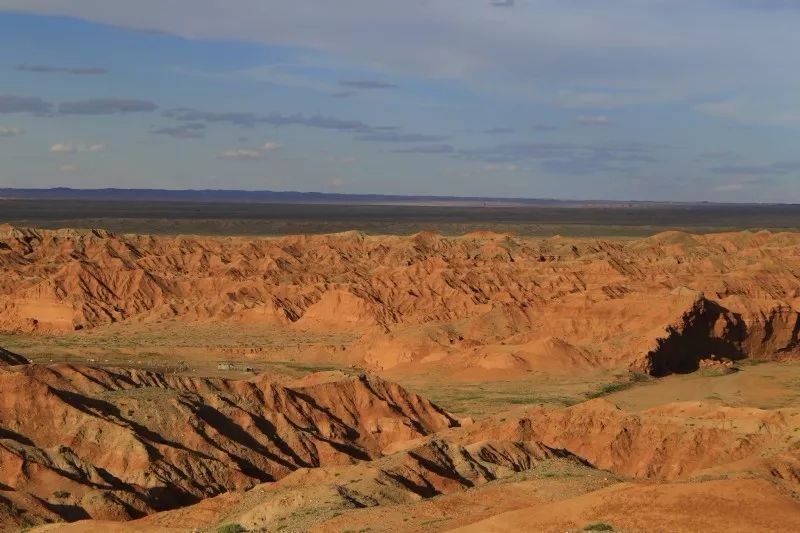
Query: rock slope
[[79, 442], [487, 302], [576, 465]]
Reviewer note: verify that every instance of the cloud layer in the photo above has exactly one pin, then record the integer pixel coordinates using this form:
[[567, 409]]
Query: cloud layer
[[367, 84], [9, 131], [105, 106], [10, 103], [653, 46], [251, 153], [71, 148], [602, 98], [50, 69]]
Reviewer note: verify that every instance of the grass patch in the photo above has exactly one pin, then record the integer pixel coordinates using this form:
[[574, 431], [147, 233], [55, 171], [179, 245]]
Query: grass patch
[[716, 372], [309, 367], [488, 398], [599, 526], [610, 388], [634, 378], [428, 523], [537, 400]]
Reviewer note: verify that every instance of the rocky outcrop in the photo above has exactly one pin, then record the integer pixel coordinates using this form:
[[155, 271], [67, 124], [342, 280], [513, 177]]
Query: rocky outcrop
[[708, 332], [581, 448], [482, 302], [119, 444], [675, 441]]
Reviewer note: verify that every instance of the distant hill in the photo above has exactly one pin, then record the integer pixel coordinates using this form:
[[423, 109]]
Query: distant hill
[[293, 197]]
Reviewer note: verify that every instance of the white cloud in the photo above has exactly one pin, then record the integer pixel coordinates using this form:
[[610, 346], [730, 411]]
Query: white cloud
[[286, 74], [633, 44], [252, 153], [271, 147], [6, 131], [71, 148], [61, 148], [748, 112], [241, 153]]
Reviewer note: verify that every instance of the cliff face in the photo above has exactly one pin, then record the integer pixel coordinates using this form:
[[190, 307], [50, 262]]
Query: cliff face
[[709, 332]]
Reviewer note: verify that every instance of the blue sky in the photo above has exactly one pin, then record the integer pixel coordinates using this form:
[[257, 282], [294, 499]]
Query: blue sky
[[576, 99]]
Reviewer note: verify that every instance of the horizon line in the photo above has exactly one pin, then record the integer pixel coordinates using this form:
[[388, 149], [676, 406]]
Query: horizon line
[[89, 193]]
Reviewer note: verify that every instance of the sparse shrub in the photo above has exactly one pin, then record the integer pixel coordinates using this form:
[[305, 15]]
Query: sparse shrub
[[599, 526], [640, 377], [610, 388], [231, 528], [633, 379], [715, 372], [61, 494]]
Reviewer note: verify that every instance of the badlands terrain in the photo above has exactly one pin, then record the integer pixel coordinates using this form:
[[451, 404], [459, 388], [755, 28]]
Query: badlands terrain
[[346, 382]]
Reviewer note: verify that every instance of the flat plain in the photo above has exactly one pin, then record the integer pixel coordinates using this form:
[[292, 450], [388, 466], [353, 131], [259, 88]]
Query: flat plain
[[448, 218]]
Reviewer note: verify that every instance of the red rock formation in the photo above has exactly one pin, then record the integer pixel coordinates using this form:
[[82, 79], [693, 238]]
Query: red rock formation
[[117, 444], [491, 302]]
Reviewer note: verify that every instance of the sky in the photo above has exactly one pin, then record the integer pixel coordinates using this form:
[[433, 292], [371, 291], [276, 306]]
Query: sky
[[674, 100]]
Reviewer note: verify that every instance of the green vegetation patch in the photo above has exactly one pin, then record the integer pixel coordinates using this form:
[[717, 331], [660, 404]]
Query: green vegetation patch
[[635, 378], [599, 526]]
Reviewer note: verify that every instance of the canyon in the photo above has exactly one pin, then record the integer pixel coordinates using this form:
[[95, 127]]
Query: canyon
[[119, 410]]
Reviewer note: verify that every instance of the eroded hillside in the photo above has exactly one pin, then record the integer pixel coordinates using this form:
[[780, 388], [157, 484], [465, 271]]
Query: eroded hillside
[[172, 413], [79, 442], [122, 450], [482, 303]]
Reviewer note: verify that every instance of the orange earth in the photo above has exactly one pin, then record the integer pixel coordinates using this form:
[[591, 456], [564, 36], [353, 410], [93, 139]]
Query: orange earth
[[691, 434]]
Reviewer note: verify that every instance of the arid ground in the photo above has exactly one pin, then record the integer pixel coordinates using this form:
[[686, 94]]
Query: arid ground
[[534, 218], [487, 381]]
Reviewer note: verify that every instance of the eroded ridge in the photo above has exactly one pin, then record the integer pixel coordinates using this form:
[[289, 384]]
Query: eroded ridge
[[483, 302]]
